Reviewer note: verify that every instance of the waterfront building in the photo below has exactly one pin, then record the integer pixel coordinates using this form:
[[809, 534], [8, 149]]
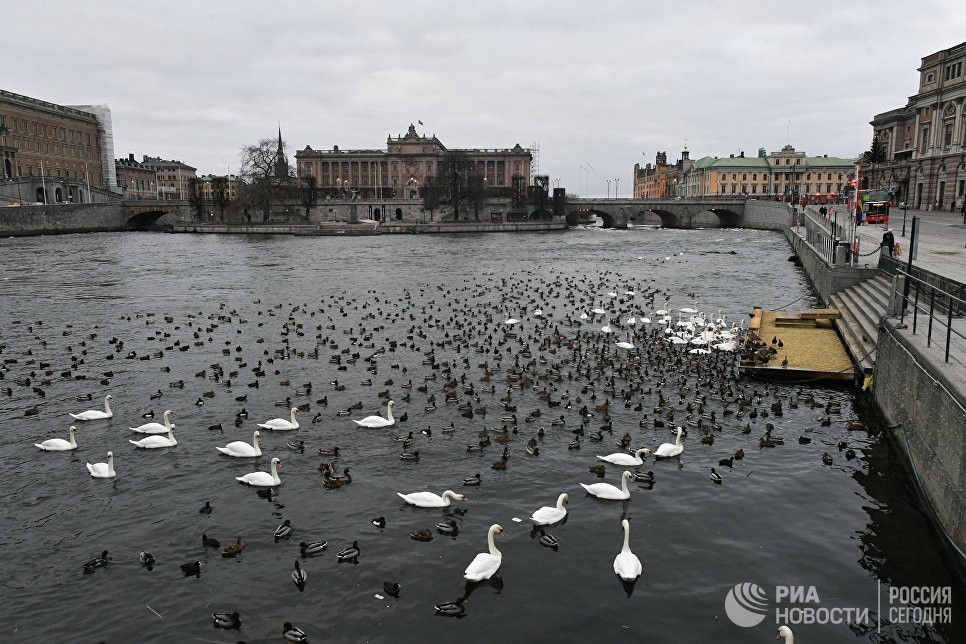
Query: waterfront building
[[173, 178], [402, 169], [55, 153], [136, 180], [660, 180], [925, 140], [205, 186], [788, 175]]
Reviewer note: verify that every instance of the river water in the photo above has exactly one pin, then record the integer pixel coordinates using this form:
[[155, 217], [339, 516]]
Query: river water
[[424, 309]]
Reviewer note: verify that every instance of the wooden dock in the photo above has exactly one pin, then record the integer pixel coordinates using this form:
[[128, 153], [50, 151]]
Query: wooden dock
[[806, 346]]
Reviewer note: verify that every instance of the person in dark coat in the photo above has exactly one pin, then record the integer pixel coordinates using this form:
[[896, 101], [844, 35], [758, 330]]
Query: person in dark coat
[[888, 240]]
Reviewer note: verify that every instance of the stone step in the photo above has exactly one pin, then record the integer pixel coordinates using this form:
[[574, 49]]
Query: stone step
[[870, 299], [851, 331], [862, 313]]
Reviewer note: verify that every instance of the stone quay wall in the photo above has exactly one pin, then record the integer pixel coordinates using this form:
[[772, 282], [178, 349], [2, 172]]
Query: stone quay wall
[[61, 218]]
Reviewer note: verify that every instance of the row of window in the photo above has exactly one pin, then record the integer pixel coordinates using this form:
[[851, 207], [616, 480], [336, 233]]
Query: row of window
[[952, 71], [93, 177], [779, 176], [806, 189], [35, 128], [59, 150]]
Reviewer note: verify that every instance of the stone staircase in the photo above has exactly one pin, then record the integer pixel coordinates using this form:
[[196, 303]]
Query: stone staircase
[[862, 307]]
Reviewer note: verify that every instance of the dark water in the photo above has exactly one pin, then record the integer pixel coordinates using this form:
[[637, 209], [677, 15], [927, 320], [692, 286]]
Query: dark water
[[780, 517]]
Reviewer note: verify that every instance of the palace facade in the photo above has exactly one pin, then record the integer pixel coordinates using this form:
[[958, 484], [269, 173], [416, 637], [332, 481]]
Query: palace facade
[[402, 169], [925, 140], [57, 152]]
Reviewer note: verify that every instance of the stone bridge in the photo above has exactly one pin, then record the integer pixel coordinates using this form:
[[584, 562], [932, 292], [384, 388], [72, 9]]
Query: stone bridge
[[142, 214], [682, 213]]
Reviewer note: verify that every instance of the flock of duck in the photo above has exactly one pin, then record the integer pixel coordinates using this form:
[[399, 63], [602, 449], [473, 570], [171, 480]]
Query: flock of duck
[[552, 375]]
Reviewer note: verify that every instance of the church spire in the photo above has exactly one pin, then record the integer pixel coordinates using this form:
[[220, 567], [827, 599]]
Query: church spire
[[281, 163]]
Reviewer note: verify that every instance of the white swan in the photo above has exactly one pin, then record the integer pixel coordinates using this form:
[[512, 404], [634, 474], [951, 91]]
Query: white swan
[[378, 421], [608, 491], [155, 428], [96, 414], [784, 631], [241, 449], [667, 450], [485, 564], [606, 328], [263, 479], [430, 500], [628, 344], [620, 458], [626, 564], [280, 424], [59, 444], [548, 514], [103, 470], [157, 441]]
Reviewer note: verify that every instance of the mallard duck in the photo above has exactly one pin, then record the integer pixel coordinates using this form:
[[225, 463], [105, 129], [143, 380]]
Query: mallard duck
[[283, 531], [827, 458], [312, 548], [97, 562], [707, 439], [739, 454], [597, 469], [226, 620], [421, 535], [409, 456], [299, 576], [450, 609], [349, 554], [472, 480], [498, 465], [767, 442], [297, 447], [331, 483], [447, 527], [400, 438], [644, 477], [574, 444], [292, 633], [548, 541], [233, 549]]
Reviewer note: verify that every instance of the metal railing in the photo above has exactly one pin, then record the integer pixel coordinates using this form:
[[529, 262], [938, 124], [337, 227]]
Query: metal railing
[[942, 308]]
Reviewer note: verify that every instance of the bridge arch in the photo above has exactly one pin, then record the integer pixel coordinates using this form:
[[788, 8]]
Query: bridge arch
[[577, 217], [727, 218], [145, 220]]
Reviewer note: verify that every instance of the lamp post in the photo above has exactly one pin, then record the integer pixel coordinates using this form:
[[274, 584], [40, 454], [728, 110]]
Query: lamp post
[[608, 188], [617, 185]]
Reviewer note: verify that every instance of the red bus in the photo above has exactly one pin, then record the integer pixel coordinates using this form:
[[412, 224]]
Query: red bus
[[875, 205]]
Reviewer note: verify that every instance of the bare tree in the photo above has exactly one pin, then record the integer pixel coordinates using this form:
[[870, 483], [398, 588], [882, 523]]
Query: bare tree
[[195, 198], [308, 193], [219, 188], [259, 167], [519, 194], [475, 193], [431, 195], [454, 170]]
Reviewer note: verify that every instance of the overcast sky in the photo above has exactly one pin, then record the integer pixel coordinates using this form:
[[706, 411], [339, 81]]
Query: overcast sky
[[598, 86]]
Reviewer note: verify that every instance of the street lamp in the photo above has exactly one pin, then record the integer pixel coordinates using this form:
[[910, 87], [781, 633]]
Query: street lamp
[[617, 185], [608, 188]]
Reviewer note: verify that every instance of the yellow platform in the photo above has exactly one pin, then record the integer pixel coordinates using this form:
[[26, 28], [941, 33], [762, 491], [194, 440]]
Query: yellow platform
[[809, 341]]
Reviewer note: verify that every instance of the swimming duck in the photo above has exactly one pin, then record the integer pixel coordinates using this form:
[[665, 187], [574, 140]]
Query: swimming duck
[[391, 589], [450, 609], [192, 568], [292, 633], [349, 554], [209, 543], [409, 456], [644, 477], [299, 576], [206, 508], [312, 548], [329, 451], [447, 527], [283, 531], [297, 447], [379, 522], [548, 541], [827, 458], [233, 549], [97, 562], [146, 559], [421, 535], [226, 620], [472, 480], [715, 477]]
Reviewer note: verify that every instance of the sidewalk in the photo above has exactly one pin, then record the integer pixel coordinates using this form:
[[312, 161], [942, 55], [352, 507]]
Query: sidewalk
[[942, 240]]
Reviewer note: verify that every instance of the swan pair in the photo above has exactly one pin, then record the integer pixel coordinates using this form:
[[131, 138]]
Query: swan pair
[[378, 421], [156, 441], [96, 414], [155, 428]]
